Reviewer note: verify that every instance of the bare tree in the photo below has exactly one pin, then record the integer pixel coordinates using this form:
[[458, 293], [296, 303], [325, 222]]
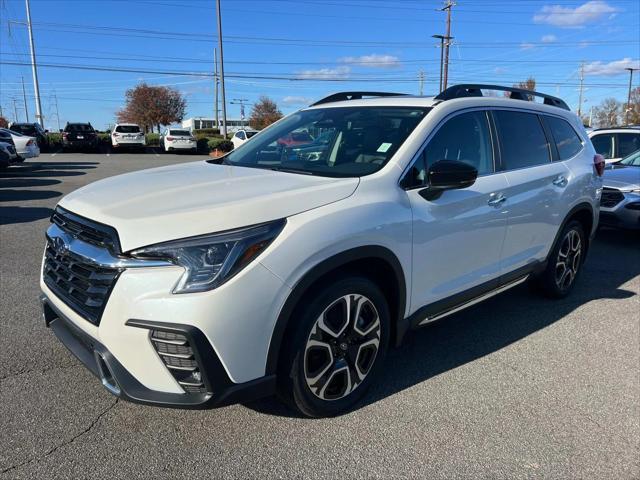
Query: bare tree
[[608, 114], [4, 123], [264, 113], [634, 106]]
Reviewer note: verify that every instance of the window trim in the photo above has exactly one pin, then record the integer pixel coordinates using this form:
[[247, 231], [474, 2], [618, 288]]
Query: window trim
[[492, 136], [582, 140]]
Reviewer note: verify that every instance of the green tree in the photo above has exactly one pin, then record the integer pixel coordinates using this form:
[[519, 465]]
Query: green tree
[[264, 113]]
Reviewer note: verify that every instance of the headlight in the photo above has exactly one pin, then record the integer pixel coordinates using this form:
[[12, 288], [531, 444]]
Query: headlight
[[211, 260]]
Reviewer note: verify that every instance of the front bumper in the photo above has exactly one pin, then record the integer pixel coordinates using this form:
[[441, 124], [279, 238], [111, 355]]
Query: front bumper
[[626, 214], [119, 381]]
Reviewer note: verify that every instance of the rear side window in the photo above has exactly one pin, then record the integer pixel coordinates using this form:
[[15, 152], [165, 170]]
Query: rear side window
[[603, 144], [567, 140], [522, 139], [627, 143]]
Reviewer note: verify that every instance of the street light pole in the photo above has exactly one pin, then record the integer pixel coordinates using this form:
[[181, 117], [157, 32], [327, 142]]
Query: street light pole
[[445, 79], [34, 68], [224, 99], [241, 102], [631, 70]]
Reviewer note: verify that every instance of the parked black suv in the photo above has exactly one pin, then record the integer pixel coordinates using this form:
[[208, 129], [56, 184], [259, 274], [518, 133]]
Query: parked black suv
[[33, 130], [79, 136]]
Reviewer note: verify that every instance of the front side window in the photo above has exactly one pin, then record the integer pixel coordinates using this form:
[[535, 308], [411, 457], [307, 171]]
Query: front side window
[[567, 140], [334, 142], [522, 139], [627, 143], [603, 144]]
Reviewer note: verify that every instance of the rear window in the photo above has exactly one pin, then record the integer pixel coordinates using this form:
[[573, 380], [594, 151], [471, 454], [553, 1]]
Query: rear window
[[628, 143], [78, 127], [603, 144], [128, 129], [180, 133], [29, 130], [567, 140], [522, 140]]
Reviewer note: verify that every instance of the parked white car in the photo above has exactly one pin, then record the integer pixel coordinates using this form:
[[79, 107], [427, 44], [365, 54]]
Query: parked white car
[[615, 143], [178, 139], [221, 281], [128, 135], [8, 155], [241, 136], [26, 147]]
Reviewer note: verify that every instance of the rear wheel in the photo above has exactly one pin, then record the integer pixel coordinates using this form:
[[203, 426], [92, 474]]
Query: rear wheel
[[337, 348], [565, 262]]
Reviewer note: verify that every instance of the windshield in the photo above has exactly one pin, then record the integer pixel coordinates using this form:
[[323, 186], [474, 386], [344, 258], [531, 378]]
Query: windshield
[[334, 142], [128, 129], [632, 160], [180, 133]]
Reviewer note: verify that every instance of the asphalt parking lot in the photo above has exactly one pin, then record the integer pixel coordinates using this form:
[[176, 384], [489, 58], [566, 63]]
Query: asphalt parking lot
[[516, 387]]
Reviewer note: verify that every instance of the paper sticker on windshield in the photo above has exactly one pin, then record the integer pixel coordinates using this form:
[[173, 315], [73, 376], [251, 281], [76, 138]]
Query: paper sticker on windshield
[[384, 147]]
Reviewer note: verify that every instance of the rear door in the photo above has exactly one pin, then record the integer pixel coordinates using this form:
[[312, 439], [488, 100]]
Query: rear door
[[457, 238], [535, 200], [603, 144], [626, 143]]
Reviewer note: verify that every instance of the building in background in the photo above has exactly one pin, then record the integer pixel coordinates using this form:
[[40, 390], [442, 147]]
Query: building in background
[[198, 123]]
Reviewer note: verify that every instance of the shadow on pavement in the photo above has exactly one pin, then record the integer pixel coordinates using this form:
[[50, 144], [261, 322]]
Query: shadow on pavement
[[485, 328], [27, 182], [10, 195], [13, 215]]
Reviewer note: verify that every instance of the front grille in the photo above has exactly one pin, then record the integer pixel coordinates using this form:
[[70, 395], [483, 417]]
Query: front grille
[[86, 230], [81, 285], [178, 356], [611, 197]]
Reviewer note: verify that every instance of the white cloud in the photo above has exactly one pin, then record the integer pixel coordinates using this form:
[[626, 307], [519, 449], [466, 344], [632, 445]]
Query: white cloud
[[549, 39], [568, 17], [527, 46], [293, 100], [373, 61], [500, 70], [325, 73], [616, 67]]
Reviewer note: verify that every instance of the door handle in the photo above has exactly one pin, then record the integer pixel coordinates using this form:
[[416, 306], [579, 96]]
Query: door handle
[[496, 200], [560, 181]]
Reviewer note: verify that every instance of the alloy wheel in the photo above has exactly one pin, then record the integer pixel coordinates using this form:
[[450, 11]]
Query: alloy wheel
[[342, 347], [569, 258]]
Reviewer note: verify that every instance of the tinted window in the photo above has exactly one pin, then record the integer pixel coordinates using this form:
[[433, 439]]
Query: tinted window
[[28, 130], [250, 134], [627, 143], [566, 138], [603, 144], [357, 141], [180, 133], [241, 135], [522, 140], [128, 129], [78, 127]]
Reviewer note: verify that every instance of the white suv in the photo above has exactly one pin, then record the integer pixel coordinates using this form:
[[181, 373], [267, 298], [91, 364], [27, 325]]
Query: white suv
[[615, 143], [293, 267], [128, 135]]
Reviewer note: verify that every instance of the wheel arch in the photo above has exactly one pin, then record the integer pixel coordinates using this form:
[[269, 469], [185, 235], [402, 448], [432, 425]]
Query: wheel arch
[[376, 262], [583, 213]]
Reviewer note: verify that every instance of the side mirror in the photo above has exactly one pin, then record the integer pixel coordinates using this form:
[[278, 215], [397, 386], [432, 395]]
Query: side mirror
[[448, 175]]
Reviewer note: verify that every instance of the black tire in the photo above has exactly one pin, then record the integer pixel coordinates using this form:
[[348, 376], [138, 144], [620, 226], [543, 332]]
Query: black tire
[[558, 280], [351, 355]]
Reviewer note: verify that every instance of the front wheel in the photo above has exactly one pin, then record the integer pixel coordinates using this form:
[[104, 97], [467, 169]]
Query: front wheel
[[337, 347], [565, 262]]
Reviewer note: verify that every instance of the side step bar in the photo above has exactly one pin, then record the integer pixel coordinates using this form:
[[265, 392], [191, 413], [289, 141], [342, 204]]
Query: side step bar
[[473, 301]]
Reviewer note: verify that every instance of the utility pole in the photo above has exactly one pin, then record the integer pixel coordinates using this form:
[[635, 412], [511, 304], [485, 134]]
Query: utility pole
[[581, 90], [241, 102], [628, 111], [215, 86], [442, 39], [55, 98], [224, 99], [445, 79], [421, 80], [15, 111], [34, 68], [24, 98]]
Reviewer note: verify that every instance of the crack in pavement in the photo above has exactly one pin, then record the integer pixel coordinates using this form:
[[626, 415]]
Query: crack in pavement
[[63, 444], [39, 370]]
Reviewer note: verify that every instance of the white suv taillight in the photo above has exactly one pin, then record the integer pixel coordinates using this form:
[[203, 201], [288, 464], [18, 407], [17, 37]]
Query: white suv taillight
[[599, 163]]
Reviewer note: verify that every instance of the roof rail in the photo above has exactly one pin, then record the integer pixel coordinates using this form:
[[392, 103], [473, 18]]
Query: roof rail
[[341, 96], [625, 127], [475, 90]]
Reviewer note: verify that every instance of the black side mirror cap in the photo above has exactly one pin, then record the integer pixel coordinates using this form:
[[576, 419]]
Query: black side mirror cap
[[448, 175]]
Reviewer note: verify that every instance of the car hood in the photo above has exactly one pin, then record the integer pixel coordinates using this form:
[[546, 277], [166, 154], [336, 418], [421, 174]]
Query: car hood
[[622, 177], [178, 201]]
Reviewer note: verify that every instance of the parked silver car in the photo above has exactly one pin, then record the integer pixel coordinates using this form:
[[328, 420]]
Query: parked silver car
[[620, 203]]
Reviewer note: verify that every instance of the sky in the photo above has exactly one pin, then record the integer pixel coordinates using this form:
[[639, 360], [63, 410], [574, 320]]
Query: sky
[[296, 51]]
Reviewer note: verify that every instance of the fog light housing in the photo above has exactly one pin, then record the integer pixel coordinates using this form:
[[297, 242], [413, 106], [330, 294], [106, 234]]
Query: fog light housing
[[178, 356]]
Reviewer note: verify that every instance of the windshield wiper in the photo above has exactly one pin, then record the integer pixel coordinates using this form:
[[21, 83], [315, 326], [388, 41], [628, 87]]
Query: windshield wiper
[[291, 170]]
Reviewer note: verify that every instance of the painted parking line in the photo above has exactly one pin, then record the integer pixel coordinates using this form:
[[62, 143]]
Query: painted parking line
[[55, 153]]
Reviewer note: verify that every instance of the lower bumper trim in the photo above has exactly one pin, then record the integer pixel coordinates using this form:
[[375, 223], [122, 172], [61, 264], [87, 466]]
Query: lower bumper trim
[[118, 381]]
